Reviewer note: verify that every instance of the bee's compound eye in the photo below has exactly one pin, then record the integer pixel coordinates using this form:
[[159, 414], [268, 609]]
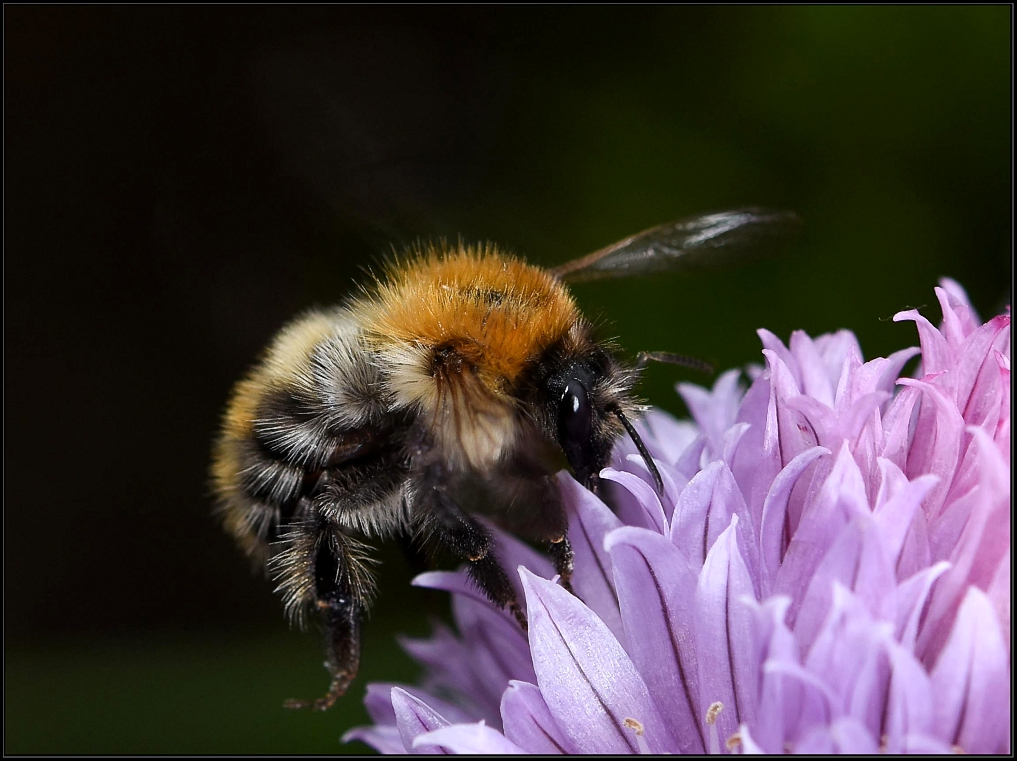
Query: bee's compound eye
[[575, 418]]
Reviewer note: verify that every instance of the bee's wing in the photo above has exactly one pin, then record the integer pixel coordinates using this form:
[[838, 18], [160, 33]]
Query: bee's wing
[[694, 243]]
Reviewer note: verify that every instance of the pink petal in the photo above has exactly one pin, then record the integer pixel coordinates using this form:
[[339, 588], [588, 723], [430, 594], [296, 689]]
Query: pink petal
[[728, 667], [960, 306], [414, 717], [849, 654], [667, 436], [657, 588], [778, 697], [714, 411], [937, 355], [936, 444], [643, 496], [999, 594], [384, 738], [817, 380], [528, 721], [771, 534], [588, 681], [757, 458], [465, 738], [971, 680], [845, 735], [593, 579], [449, 659], [704, 511], [911, 597], [896, 504], [909, 706], [841, 496]]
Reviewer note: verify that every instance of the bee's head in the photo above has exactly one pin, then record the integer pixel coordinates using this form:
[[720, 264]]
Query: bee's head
[[584, 402]]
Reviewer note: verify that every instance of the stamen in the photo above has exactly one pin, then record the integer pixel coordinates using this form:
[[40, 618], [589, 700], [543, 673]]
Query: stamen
[[637, 727], [643, 451], [711, 721], [734, 741]]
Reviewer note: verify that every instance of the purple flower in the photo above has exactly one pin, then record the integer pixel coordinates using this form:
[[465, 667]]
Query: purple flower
[[828, 570]]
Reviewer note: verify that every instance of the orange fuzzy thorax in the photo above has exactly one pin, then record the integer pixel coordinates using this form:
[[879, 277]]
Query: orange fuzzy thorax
[[495, 311]]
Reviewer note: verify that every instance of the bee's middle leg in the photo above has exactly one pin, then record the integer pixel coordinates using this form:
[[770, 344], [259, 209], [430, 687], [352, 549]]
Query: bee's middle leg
[[324, 571], [441, 520]]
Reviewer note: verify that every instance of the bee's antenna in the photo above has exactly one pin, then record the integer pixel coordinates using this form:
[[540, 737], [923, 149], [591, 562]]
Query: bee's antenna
[[644, 358], [643, 451]]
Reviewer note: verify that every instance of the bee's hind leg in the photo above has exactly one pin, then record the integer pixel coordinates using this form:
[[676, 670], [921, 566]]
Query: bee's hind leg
[[342, 586]]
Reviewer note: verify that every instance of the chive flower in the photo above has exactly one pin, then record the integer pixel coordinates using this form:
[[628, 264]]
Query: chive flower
[[828, 570]]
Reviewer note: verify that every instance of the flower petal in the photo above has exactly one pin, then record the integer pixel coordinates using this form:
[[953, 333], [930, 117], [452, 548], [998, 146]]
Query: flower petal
[[848, 653], [384, 738], [845, 735], [728, 660], [593, 578], [714, 410], [657, 588], [414, 717], [643, 496], [771, 532], [528, 721], [588, 681], [466, 738], [841, 496], [971, 680], [909, 705]]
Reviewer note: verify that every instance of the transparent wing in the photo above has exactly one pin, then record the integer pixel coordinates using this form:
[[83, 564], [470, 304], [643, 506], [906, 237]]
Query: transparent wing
[[707, 241]]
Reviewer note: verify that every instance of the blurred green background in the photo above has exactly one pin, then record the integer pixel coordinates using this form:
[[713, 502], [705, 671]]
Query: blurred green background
[[182, 180]]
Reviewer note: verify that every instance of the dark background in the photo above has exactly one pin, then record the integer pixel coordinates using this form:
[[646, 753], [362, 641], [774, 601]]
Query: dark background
[[181, 180]]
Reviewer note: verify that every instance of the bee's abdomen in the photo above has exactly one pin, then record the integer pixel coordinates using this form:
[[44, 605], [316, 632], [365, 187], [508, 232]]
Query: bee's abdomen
[[312, 414]]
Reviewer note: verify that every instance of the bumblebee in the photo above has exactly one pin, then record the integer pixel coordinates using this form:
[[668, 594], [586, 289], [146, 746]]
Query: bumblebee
[[461, 379]]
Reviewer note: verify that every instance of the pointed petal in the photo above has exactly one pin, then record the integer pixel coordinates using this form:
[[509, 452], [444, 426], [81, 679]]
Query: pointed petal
[[593, 578], [971, 681], [778, 697], [841, 496], [643, 495], [912, 595], [844, 735], [936, 352], [449, 660], [849, 654], [657, 589], [936, 446], [587, 679], [771, 534], [714, 410], [728, 671], [384, 738], [414, 717], [909, 709], [496, 653], [667, 437], [465, 738], [528, 721]]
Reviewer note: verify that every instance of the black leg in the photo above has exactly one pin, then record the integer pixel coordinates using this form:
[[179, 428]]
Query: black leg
[[339, 591], [535, 510], [561, 555], [437, 518]]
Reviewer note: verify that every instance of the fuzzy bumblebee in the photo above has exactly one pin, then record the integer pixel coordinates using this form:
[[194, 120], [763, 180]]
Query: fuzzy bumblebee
[[463, 379]]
